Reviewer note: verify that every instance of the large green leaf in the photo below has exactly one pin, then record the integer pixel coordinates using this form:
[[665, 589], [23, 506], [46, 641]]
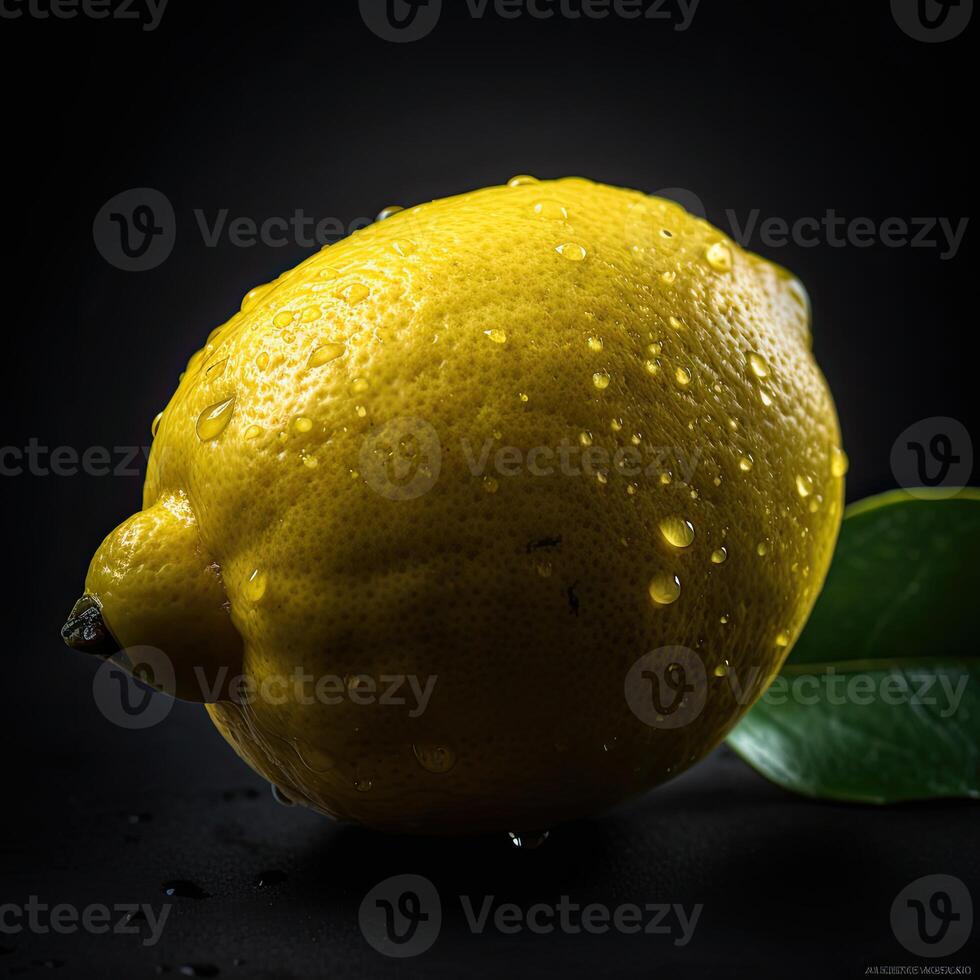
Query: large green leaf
[[880, 699]]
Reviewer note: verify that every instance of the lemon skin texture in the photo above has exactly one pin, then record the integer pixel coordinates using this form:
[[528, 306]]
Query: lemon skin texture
[[322, 500]]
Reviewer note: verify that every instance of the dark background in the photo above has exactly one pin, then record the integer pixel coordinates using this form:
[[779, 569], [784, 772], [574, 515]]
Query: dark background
[[791, 108]]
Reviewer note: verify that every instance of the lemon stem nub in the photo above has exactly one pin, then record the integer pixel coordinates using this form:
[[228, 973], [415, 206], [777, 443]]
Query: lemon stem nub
[[86, 629]]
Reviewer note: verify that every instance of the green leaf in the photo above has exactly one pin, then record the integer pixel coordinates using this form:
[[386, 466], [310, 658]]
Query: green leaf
[[880, 699]]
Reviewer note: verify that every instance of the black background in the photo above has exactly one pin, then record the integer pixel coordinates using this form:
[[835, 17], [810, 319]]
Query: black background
[[790, 108]]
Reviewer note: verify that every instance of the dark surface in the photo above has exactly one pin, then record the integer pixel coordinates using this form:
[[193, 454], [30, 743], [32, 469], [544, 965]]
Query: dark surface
[[262, 109]]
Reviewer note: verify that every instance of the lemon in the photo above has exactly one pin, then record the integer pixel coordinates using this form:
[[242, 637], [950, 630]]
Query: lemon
[[505, 509]]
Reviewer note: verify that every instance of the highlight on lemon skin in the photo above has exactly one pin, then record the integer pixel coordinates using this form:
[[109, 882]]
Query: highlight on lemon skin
[[535, 314]]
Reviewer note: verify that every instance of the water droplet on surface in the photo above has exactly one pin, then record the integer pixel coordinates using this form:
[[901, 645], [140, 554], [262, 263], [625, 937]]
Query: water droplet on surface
[[601, 380], [262, 360], [359, 386], [585, 438], [804, 486], [522, 180], [527, 841], [435, 758], [665, 588], [404, 247], [758, 365], [721, 670], [571, 251], [746, 462], [214, 419], [490, 484], [668, 276], [765, 398], [675, 323], [309, 461], [182, 888], [310, 314], [325, 354], [256, 585], [388, 212], [551, 211], [838, 461], [782, 639], [216, 369], [677, 531], [683, 376], [253, 432], [595, 343], [616, 425], [719, 556], [354, 293], [543, 568], [363, 785], [652, 367], [283, 319], [302, 424], [497, 336], [762, 549], [273, 876], [719, 257]]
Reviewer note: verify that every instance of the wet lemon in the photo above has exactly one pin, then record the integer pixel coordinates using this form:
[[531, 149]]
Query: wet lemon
[[456, 477]]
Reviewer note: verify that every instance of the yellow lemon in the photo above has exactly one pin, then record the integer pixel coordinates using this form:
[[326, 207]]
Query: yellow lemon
[[505, 509]]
